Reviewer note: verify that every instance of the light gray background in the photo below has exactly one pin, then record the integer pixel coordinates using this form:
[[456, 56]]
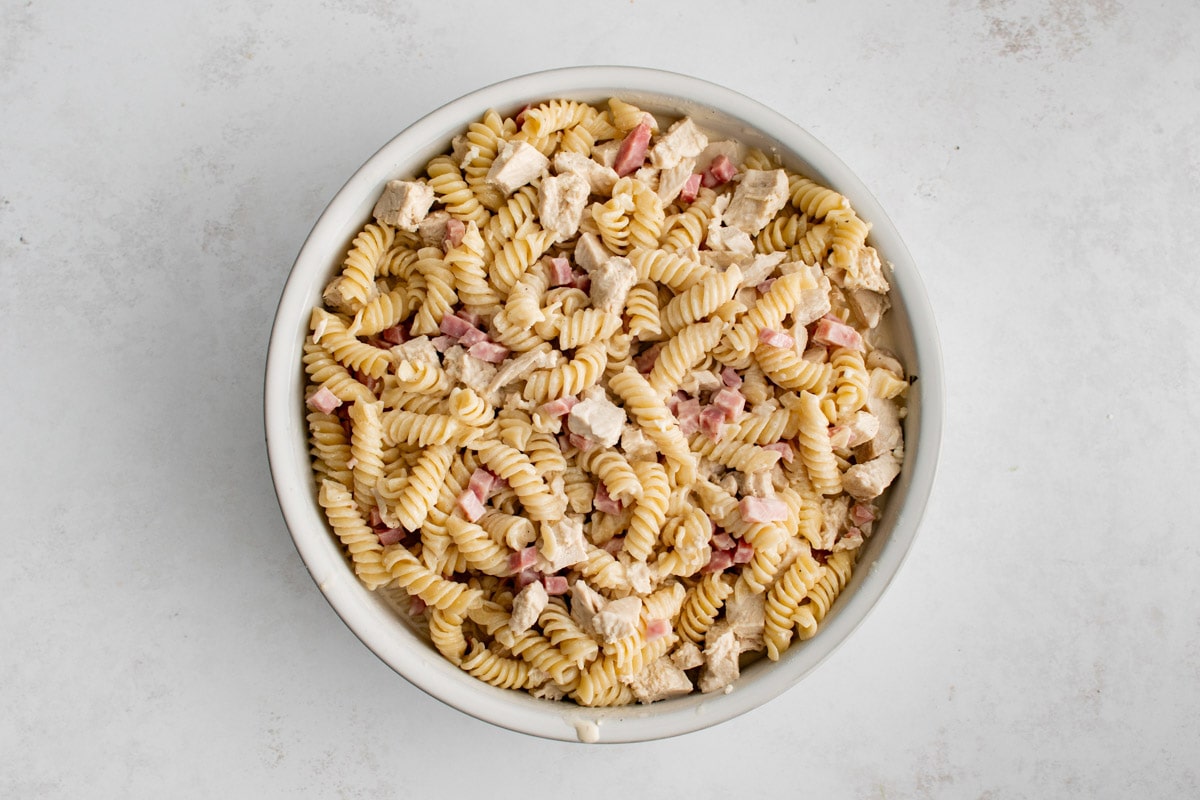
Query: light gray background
[[160, 165]]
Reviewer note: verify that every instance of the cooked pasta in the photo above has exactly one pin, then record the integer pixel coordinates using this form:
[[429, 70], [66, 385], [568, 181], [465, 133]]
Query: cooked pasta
[[580, 441]]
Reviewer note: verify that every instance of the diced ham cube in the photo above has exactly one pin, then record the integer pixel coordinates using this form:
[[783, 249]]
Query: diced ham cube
[[765, 286], [723, 541], [763, 509], [730, 401], [555, 584], [689, 416], [719, 562], [472, 337], [443, 343], [392, 335], [559, 407], [560, 272], [604, 502], [632, 153], [323, 400], [582, 282], [454, 325], [522, 560], [730, 377], [454, 233], [690, 188], [835, 333], [469, 316], [656, 629], [471, 505], [712, 419], [744, 553], [416, 606], [376, 519], [720, 171], [582, 442], [862, 513], [488, 351], [391, 536], [614, 545], [776, 339], [644, 362], [784, 449], [674, 400], [481, 483]]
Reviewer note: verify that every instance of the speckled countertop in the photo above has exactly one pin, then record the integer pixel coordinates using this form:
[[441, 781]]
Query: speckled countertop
[[160, 165]]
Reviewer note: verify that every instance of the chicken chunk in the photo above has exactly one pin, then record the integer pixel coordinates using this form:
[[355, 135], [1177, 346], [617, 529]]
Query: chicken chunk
[[516, 164], [404, 204], [561, 200], [757, 199]]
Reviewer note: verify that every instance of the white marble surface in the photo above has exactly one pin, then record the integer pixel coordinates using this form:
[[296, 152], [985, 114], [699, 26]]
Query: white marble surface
[[160, 165]]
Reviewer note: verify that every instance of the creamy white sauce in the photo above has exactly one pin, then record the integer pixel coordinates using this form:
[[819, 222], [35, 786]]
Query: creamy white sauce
[[587, 731]]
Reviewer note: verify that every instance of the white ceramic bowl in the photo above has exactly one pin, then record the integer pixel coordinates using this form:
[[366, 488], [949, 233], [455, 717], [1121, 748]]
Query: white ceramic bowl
[[914, 337]]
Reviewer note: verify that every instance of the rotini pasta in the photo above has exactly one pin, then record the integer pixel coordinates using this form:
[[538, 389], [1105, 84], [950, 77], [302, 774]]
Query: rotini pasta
[[579, 441]]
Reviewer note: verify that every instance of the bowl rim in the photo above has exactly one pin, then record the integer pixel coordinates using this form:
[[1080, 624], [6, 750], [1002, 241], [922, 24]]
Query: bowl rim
[[376, 626]]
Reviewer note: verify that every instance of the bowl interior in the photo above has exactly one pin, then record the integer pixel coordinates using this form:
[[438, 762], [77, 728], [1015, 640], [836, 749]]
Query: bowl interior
[[908, 329]]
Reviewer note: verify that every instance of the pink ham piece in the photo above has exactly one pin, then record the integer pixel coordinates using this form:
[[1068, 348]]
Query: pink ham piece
[[744, 553], [488, 351], [689, 416], [691, 188], [443, 343], [582, 282], [481, 483], [784, 449], [730, 401], [763, 509], [835, 333], [472, 337], [776, 339], [559, 407], [632, 153], [614, 545], [656, 629], [416, 606], [560, 272], [645, 361], [376, 520], [581, 442], [471, 505], [720, 561], [862, 513], [454, 234], [391, 536], [712, 419], [454, 325], [392, 335], [604, 502], [555, 584], [720, 171], [765, 286], [469, 316], [723, 541], [522, 560], [323, 400], [730, 378]]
